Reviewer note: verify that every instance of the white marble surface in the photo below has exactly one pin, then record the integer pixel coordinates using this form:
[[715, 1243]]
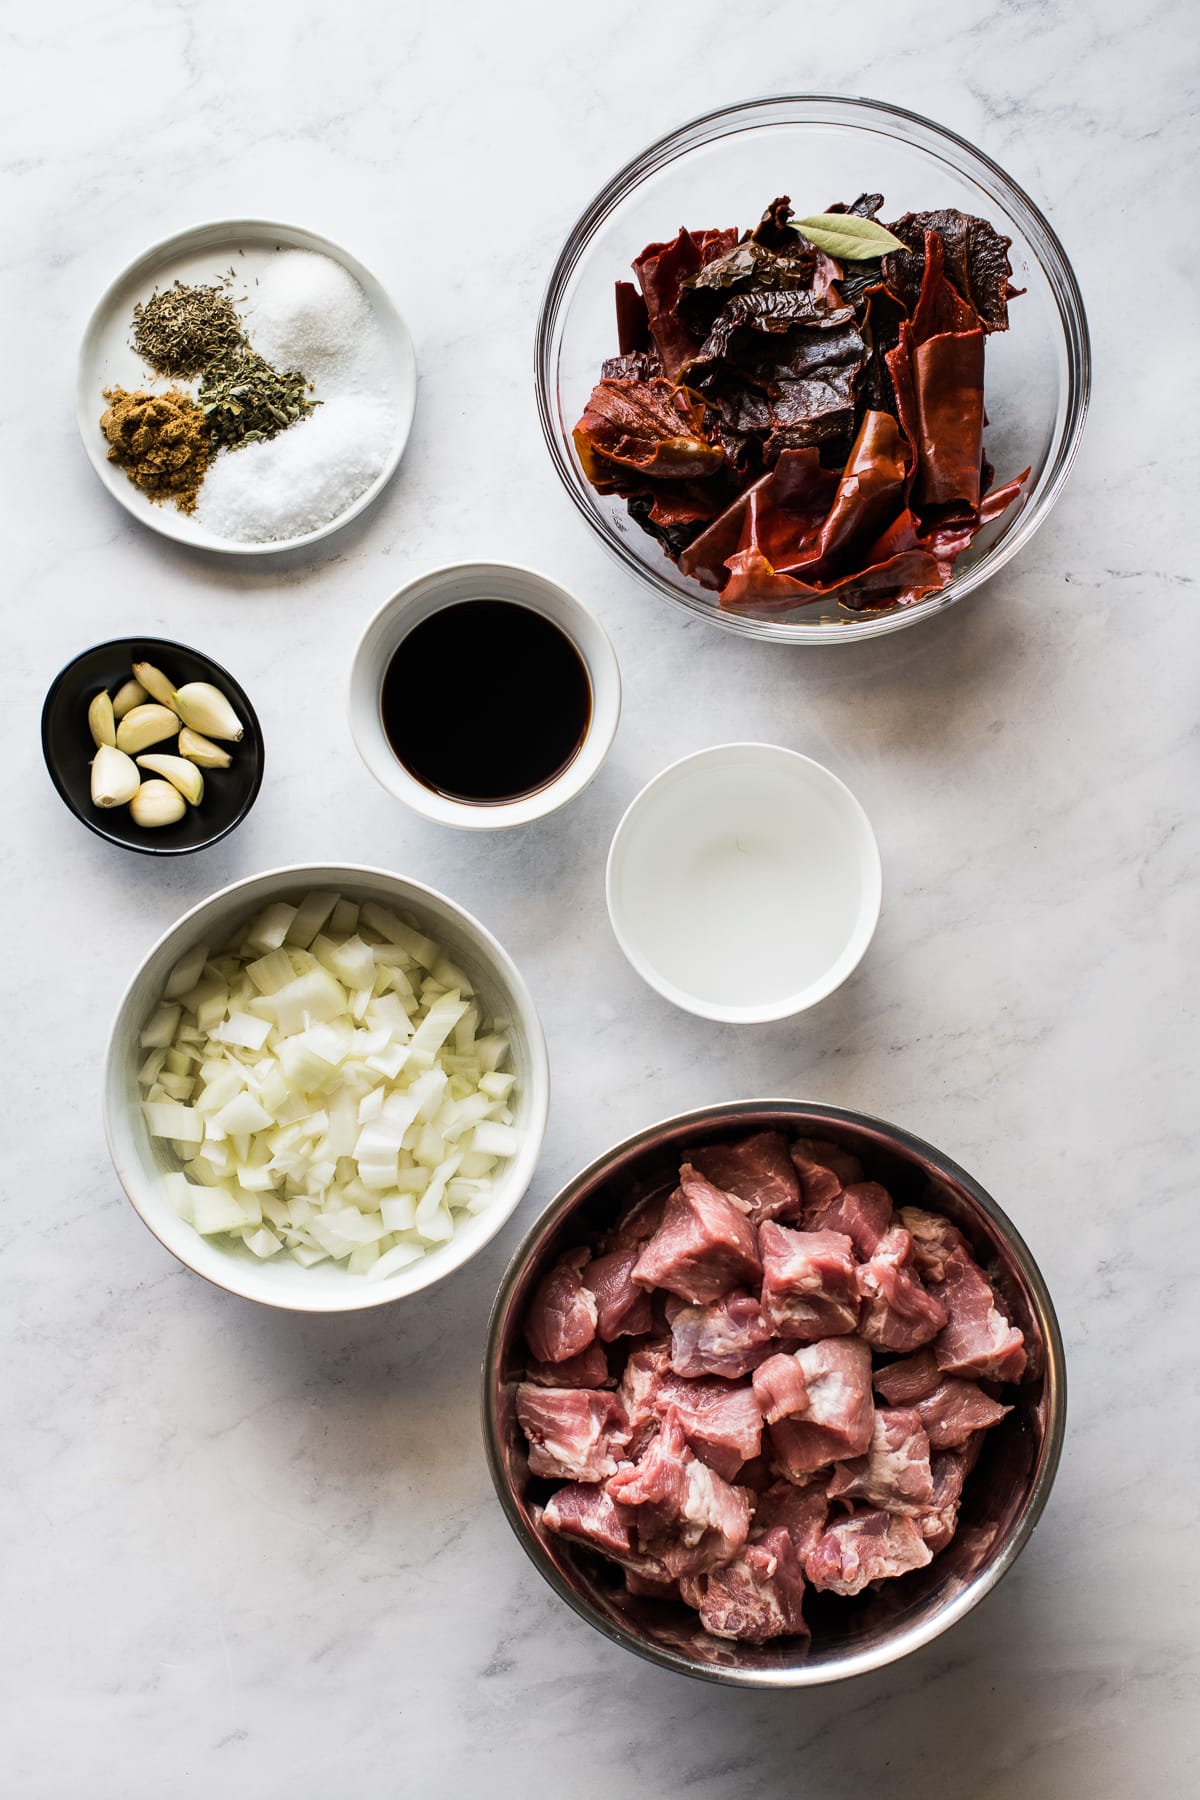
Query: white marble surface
[[255, 1555]]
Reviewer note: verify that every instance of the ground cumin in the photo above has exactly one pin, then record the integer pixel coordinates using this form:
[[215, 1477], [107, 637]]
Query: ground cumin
[[161, 441]]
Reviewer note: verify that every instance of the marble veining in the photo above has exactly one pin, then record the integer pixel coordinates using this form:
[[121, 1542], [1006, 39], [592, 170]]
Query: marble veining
[[257, 1555]]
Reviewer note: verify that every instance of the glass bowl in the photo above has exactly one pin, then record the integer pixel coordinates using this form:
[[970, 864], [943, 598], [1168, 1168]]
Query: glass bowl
[[724, 169]]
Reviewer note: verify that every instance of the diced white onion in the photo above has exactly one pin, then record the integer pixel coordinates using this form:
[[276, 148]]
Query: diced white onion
[[331, 1087]]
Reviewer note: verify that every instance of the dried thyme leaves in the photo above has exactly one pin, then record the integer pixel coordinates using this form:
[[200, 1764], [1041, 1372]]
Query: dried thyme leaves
[[182, 330]]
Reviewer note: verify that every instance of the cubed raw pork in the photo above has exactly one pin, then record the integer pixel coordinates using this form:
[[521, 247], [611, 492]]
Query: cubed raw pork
[[834, 1421], [704, 1246], [587, 1370], [935, 1240], [622, 1310], [688, 1519], [801, 1510], [951, 1410], [904, 1383], [721, 1421], [758, 1171], [583, 1512], [866, 1547], [642, 1381], [757, 1596], [728, 1337], [978, 1340], [780, 1387], [561, 1317], [574, 1433], [824, 1170], [809, 1286], [639, 1222], [897, 1312], [863, 1212], [894, 1473], [949, 1469], [955, 1411]]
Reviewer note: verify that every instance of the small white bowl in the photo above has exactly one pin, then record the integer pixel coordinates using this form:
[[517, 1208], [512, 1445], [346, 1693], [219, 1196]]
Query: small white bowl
[[202, 254], [744, 883], [450, 586], [140, 1161]]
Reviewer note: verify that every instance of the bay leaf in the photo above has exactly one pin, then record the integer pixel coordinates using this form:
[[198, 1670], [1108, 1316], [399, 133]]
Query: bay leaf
[[848, 237]]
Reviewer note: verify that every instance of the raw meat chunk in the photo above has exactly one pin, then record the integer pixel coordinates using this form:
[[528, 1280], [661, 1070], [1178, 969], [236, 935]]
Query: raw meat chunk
[[835, 1420], [866, 1547], [721, 1421], [622, 1310], [780, 1387], [688, 1519], [574, 1433], [587, 1370], [951, 1409], [897, 1312], [642, 1380], [809, 1286], [728, 1337], [894, 1473], [583, 1512], [824, 1170], [801, 1510], [704, 1246], [949, 1469], [638, 1224], [863, 1212], [978, 1340], [904, 1383], [758, 1171], [934, 1241], [955, 1410], [561, 1318], [755, 1597]]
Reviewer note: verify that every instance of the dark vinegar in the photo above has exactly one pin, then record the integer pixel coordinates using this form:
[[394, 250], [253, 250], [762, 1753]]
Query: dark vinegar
[[486, 701]]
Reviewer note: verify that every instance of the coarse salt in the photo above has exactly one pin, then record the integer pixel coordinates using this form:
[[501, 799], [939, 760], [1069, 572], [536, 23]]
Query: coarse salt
[[307, 312], [301, 479]]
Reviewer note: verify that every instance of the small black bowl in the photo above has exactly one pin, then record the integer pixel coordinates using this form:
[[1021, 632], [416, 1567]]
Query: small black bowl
[[68, 748]]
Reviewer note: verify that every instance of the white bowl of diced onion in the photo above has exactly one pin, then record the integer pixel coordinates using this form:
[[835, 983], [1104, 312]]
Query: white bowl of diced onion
[[326, 1088]]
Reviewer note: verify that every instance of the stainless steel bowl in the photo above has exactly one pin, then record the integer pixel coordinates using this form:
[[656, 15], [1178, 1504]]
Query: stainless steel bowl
[[1004, 1496]]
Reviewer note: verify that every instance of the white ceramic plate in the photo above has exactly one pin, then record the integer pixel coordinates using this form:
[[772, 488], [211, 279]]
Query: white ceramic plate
[[744, 883], [204, 254]]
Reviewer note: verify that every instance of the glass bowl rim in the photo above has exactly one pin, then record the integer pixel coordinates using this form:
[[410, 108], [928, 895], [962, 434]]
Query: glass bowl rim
[[966, 159]]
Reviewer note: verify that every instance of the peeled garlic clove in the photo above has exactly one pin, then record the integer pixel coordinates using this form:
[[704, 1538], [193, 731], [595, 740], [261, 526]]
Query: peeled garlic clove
[[157, 803], [154, 682], [146, 725], [129, 695], [181, 774], [115, 779], [205, 708], [100, 720], [197, 749]]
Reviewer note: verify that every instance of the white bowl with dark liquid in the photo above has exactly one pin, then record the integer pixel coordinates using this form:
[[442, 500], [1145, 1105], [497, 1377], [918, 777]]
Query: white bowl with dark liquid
[[513, 707]]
